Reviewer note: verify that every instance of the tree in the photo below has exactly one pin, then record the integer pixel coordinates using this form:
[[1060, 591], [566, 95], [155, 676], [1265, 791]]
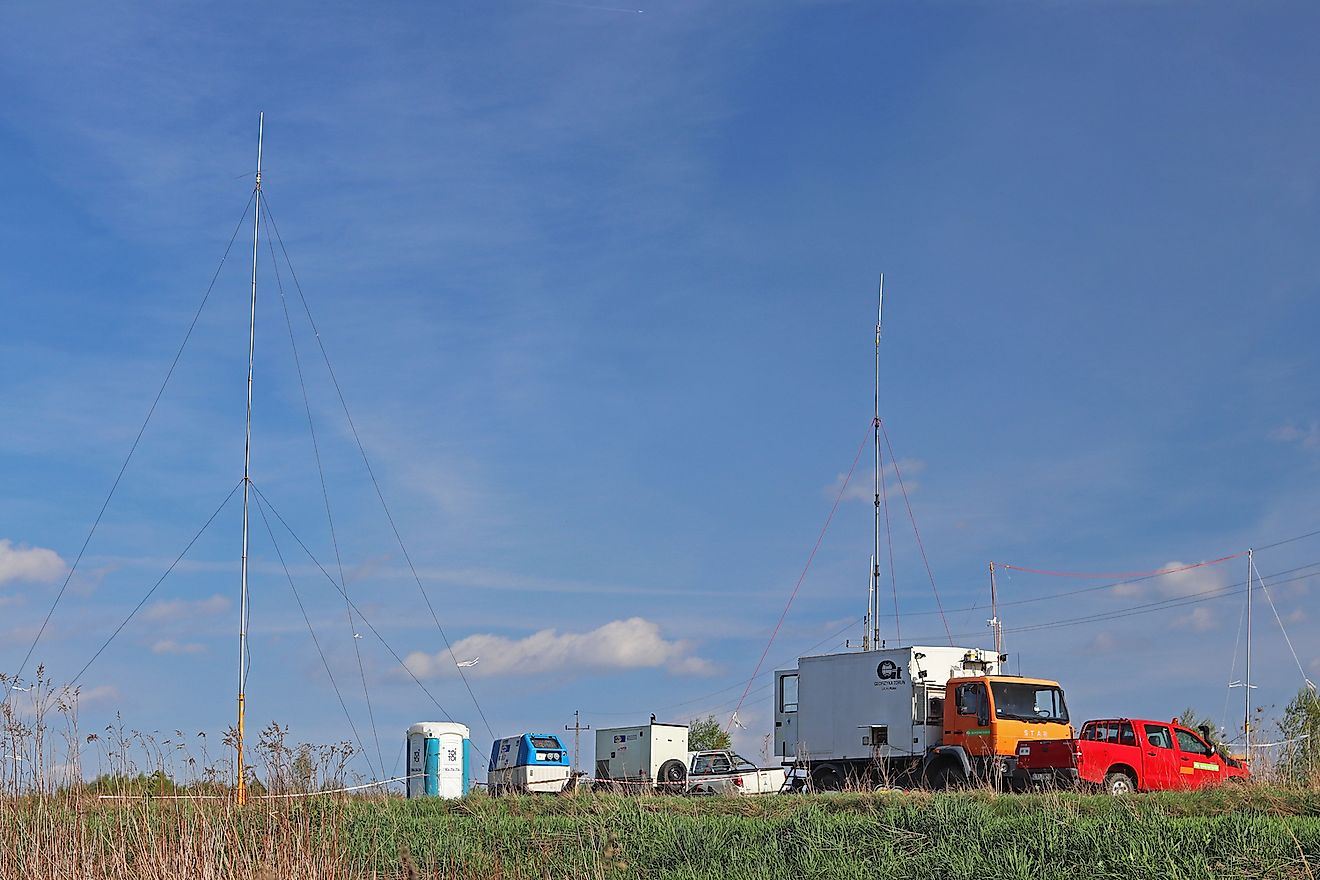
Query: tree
[[1300, 726], [705, 734], [1207, 728]]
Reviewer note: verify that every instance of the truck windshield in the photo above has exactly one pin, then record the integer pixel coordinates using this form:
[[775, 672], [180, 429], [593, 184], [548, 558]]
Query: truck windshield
[[1029, 702]]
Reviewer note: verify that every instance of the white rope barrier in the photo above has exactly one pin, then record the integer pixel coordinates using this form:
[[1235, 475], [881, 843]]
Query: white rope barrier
[[255, 797]]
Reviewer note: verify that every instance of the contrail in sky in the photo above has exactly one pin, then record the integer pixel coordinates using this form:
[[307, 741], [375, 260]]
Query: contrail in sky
[[589, 6]]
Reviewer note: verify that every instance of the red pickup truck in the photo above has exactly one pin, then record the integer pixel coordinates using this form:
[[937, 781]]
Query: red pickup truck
[[1123, 755]]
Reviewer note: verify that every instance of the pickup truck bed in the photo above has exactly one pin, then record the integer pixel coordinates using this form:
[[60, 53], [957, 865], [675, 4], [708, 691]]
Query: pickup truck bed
[[724, 772]]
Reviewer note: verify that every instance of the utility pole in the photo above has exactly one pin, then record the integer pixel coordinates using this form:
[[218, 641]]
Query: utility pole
[[577, 727]]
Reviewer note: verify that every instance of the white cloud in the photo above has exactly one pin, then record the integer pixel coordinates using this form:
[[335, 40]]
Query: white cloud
[[1103, 643], [1199, 620], [28, 563], [170, 646], [1307, 437], [101, 693], [861, 488], [1177, 584], [178, 609], [634, 643]]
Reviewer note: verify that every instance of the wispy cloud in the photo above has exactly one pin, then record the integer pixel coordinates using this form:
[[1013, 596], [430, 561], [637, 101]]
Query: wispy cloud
[[860, 488], [1198, 620], [35, 564], [170, 646], [101, 693], [1305, 436], [1177, 584], [1103, 643], [179, 609], [635, 643]]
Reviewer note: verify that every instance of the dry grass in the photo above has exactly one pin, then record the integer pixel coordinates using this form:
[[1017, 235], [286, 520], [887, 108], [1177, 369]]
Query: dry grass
[[53, 825]]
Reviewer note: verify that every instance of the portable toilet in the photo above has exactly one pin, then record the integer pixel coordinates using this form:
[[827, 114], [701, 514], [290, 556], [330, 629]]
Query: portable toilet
[[439, 759]]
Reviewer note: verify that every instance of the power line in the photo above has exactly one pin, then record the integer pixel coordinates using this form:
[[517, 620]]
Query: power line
[[132, 449], [155, 586], [920, 544], [325, 495], [372, 474], [266, 501], [316, 641], [805, 568]]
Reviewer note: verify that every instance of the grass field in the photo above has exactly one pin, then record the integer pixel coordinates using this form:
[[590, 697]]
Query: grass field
[[1252, 831]]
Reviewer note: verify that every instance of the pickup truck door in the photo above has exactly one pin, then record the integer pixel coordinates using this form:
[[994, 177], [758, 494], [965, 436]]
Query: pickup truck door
[[1198, 764], [1159, 759]]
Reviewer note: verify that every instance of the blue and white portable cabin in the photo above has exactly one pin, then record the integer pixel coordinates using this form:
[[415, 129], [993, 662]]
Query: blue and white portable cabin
[[531, 762], [439, 759]]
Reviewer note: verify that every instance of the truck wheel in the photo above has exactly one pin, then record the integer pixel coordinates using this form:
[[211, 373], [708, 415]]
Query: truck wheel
[[1119, 784], [672, 776], [827, 777], [948, 776]]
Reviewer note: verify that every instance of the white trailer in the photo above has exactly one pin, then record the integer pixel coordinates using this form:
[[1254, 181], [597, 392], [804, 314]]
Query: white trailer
[[868, 714], [652, 754], [531, 762]]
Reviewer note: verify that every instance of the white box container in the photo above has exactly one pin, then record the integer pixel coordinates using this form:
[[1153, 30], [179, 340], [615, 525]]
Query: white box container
[[869, 705], [640, 753]]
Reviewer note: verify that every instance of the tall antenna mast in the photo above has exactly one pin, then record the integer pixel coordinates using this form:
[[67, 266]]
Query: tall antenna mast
[[1246, 685], [240, 793], [873, 608], [996, 626]]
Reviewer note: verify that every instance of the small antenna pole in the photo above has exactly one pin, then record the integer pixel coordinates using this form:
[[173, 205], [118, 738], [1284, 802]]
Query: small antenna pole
[[240, 792], [995, 625], [1246, 690], [577, 729]]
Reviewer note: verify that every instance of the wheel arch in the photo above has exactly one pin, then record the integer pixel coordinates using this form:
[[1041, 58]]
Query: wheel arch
[[1127, 770], [941, 756]]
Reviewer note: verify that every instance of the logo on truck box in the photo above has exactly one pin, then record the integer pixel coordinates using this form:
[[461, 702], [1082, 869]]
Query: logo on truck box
[[888, 670]]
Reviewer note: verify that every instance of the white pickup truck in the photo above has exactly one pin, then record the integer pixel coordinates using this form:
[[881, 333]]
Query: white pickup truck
[[724, 772]]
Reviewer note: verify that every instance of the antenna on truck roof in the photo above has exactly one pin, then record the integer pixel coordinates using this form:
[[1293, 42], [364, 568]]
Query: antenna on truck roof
[[871, 631]]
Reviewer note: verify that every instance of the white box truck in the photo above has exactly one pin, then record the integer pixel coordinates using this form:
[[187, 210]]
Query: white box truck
[[653, 754], [939, 716]]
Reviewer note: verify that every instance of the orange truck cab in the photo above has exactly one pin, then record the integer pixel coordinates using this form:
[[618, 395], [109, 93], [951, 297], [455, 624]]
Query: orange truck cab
[[986, 718], [1123, 755]]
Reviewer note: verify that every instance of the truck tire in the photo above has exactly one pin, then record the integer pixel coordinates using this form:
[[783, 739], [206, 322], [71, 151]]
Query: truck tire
[[946, 776], [672, 775], [1119, 784], [827, 777]]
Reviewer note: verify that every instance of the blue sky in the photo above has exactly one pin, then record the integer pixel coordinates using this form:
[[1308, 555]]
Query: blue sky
[[599, 285]]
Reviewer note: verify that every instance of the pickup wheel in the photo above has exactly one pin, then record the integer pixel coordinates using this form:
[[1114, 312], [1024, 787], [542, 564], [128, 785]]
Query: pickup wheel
[[672, 775], [1119, 784]]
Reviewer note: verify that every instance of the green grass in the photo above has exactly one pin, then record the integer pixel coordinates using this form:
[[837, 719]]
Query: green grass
[[1245, 832]]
